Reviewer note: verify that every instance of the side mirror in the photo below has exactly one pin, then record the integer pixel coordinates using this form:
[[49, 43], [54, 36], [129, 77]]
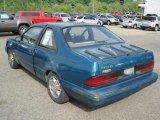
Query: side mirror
[[18, 39], [11, 17]]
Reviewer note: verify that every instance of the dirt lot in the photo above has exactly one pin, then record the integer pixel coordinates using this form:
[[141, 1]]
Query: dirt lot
[[24, 97]]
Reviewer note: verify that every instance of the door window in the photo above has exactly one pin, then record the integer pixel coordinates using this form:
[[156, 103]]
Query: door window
[[48, 39], [4, 16], [31, 36]]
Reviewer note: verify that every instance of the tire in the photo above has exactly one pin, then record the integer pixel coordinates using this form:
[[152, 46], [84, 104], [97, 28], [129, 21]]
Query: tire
[[142, 28], [135, 26], [22, 29], [108, 22], [98, 23], [12, 61], [55, 89], [156, 28], [124, 26]]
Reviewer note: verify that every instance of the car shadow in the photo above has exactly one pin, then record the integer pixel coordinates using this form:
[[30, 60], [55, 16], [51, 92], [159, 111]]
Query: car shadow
[[4, 34], [74, 102]]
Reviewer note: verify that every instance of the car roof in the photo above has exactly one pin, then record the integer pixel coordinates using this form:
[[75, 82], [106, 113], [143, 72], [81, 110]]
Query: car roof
[[62, 24]]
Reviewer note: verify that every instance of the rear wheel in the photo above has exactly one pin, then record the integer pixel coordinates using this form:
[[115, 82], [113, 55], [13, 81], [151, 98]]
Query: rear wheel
[[55, 89], [22, 29], [156, 28], [135, 26], [108, 22], [12, 61]]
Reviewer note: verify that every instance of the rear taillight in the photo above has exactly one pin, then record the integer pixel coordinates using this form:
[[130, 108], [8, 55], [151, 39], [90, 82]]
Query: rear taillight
[[152, 20], [144, 67], [104, 79]]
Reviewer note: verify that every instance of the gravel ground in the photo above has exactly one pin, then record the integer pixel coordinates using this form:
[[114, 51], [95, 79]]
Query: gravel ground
[[25, 97]]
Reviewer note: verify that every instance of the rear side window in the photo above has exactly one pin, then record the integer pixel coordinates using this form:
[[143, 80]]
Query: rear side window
[[31, 36], [149, 18], [48, 39], [30, 14], [4, 16], [80, 17]]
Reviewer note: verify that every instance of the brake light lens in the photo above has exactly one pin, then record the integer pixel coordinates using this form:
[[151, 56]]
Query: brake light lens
[[144, 67], [152, 20], [104, 79]]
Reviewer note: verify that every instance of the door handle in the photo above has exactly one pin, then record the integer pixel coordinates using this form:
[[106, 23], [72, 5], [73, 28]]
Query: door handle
[[2, 21]]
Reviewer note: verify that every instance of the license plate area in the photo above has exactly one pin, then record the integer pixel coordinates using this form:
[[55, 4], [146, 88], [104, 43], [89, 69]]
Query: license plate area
[[129, 71]]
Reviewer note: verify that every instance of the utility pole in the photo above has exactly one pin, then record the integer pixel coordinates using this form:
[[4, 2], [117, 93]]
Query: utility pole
[[4, 5], [93, 6], [41, 4]]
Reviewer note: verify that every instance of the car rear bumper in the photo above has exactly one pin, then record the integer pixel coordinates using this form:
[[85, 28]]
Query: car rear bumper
[[112, 93], [115, 22], [128, 24], [151, 27]]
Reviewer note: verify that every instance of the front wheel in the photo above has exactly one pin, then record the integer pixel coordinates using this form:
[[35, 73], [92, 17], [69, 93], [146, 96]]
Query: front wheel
[[55, 89], [156, 28], [98, 23], [22, 29], [12, 61], [135, 26]]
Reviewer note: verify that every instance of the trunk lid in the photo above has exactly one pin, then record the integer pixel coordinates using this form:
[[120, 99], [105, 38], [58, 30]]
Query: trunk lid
[[115, 57]]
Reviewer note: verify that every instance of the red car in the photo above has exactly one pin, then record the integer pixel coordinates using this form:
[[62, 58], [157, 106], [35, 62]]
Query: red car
[[38, 16], [117, 13]]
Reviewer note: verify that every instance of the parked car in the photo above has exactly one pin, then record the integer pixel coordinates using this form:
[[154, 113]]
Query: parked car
[[130, 14], [152, 22], [88, 19], [103, 18], [117, 13], [38, 16], [82, 61], [132, 22], [120, 18], [112, 20], [65, 16], [9, 23]]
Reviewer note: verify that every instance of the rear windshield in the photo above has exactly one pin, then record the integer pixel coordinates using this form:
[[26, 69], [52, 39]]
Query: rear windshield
[[65, 15], [30, 14], [149, 18], [81, 36], [110, 17]]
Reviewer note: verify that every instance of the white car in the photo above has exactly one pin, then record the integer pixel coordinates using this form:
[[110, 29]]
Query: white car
[[65, 16], [132, 22], [88, 19]]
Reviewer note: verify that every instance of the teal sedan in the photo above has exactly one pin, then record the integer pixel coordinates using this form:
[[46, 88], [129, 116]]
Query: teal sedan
[[82, 61]]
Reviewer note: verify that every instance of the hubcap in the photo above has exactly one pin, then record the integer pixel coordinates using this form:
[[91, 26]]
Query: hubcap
[[23, 29], [156, 28], [11, 58], [54, 87]]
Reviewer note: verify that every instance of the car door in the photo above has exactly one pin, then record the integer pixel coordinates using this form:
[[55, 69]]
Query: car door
[[45, 53], [25, 48], [7, 22]]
